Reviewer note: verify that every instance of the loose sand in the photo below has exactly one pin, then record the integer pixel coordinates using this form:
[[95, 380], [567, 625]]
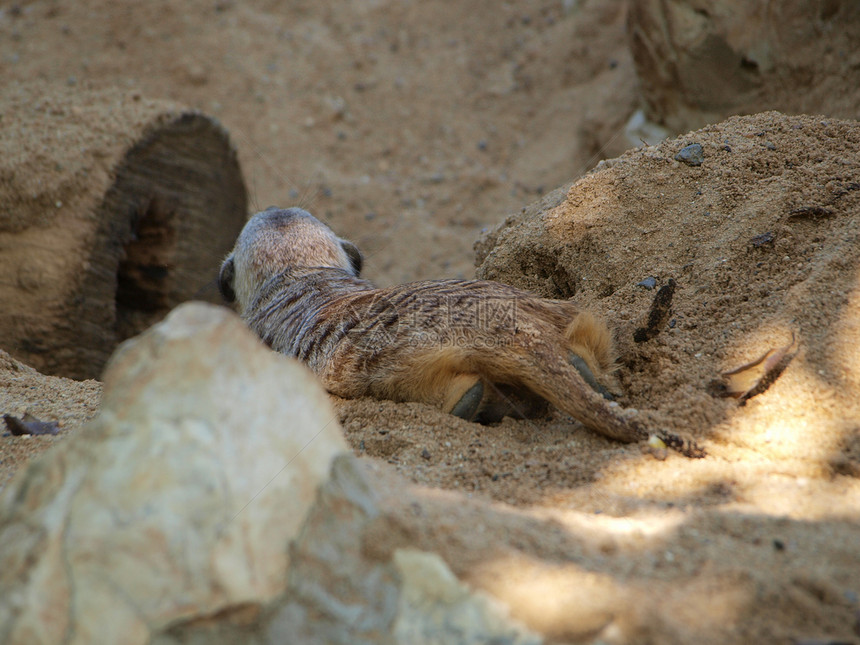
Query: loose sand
[[411, 126]]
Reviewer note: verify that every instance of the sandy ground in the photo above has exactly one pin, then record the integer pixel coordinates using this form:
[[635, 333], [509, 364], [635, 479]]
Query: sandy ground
[[410, 127]]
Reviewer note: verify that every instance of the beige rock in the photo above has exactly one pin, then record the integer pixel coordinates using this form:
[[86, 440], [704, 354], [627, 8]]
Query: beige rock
[[436, 608], [178, 500]]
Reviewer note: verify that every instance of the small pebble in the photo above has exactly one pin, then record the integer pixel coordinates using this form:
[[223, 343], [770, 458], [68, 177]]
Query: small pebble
[[692, 155], [656, 442], [649, 283], [425, 454], [761, 240]]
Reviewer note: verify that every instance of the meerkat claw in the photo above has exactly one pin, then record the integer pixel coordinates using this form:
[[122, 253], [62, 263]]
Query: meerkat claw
[[579, 363], [467, 407]]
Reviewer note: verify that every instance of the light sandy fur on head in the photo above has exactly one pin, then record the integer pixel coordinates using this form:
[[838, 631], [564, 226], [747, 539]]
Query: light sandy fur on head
[[278, 239]]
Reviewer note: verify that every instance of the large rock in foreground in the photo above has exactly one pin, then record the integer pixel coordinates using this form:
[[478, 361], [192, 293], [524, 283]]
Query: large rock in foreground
[[113, 209], [178, 500], [211, 501]]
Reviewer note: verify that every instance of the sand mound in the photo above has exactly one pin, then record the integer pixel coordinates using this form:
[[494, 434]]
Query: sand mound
[[761, 243]]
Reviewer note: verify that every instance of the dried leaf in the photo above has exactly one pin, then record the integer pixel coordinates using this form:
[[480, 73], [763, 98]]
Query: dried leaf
[[760, 240], [742, 380], [29, 425], [661, 307], [814, 212]]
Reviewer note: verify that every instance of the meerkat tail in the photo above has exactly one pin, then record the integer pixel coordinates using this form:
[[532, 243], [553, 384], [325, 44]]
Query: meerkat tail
[[586, 335]]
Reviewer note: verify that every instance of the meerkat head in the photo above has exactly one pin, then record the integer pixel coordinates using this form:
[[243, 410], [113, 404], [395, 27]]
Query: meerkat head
[[275, 240]]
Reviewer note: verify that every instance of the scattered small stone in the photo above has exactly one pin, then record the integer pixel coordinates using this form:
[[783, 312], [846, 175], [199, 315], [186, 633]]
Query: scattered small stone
[[761, 240], [811, 211], [649, 283], [482, 144], [29, 425], [692, 155], [425, 454], [778, 544], [769, 145]]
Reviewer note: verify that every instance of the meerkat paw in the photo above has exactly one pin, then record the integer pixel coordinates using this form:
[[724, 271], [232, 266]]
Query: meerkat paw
[[588, 376], [469, 403]]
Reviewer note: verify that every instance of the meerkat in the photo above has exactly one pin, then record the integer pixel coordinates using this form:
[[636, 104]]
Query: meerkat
[[476, 349]]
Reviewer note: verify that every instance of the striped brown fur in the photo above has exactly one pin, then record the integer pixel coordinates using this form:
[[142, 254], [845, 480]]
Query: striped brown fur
[[474, 348]]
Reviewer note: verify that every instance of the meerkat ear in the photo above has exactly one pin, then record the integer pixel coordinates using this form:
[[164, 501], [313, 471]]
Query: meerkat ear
[[225, 279], [356, 259]]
